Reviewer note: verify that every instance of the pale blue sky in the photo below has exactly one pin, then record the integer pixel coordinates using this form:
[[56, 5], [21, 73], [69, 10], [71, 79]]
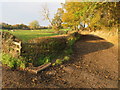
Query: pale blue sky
[[25, 12]]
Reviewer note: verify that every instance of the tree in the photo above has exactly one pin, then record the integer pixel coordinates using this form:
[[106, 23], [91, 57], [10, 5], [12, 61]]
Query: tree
[[20, 26], [6, 26], [94, 14], [57, 20], [46, 14], [16, 26], [103, 14], [34, 25], [70, 17]]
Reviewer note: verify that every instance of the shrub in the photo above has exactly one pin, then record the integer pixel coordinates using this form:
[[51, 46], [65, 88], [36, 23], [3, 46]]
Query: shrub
[[13, 62], [42, 60], [68, 51], [43, 50], [66, 58], [71, 39], [59, 61]]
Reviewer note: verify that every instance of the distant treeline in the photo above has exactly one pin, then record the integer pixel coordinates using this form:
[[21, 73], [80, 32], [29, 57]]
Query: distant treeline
[[20, 26]]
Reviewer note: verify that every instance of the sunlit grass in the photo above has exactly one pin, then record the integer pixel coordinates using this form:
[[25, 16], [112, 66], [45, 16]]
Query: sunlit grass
[[26, 35]]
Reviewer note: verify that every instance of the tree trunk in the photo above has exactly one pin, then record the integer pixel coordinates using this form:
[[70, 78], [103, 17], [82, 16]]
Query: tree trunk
[[81, 27]]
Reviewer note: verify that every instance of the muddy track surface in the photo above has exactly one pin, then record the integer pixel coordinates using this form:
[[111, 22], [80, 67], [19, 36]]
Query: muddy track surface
[[94, 64]]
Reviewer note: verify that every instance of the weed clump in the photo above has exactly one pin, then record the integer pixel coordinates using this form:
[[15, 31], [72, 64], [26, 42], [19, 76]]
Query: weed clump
[[13, 62]]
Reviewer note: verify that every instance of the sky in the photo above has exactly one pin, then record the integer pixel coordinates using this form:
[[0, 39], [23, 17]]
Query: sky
[[17, 12]]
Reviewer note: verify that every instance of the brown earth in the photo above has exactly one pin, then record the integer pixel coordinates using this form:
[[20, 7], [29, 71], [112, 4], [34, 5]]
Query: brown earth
[[94, 64]]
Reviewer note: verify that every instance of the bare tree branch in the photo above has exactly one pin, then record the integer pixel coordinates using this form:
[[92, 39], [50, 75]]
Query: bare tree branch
[[46, 13]]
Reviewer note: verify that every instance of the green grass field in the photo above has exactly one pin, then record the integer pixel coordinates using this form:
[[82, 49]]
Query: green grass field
[[26, 35]]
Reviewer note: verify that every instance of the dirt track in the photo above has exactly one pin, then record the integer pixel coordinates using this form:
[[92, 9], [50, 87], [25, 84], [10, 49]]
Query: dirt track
[[94, 64]]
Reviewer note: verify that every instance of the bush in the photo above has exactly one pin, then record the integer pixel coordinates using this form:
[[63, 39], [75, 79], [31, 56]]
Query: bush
[[68, 51], [42, 50], [42, 60], [71, 39], [66, 58], [58, 61], [13, 62]]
